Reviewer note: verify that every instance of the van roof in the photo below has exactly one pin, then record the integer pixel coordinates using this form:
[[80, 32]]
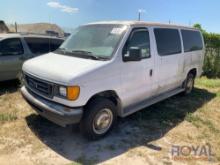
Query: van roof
[[142, 23], [12, 35]]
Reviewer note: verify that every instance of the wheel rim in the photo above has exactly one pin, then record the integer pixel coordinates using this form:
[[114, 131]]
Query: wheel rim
[[102, 121], [189, 85]]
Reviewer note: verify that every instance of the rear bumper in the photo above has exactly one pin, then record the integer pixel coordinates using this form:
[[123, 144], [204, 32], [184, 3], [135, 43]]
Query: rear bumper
[[54, 112]]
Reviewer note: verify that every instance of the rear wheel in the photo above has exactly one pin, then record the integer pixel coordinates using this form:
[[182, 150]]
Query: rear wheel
[[99, 118], [189, 84]]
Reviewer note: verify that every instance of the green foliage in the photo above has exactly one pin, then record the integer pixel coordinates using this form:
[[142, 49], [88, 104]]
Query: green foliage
[[208, 83], [212, 57], [8, 117]]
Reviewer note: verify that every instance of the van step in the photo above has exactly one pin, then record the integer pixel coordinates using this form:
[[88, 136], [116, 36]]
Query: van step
[[151, 101]]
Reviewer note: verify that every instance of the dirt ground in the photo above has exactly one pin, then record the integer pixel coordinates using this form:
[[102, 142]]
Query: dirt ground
[[146, 137]]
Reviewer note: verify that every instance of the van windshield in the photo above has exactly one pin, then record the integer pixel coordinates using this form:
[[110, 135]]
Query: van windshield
[[97, 41]]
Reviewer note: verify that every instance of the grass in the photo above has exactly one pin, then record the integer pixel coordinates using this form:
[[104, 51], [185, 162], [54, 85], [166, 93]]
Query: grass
[[209, 83], [199, 122], [8, 117], [191, 119], [201, 110], [204, 81]]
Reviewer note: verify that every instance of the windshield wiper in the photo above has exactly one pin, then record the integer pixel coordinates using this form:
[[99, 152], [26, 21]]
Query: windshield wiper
[[81, 52], [63, 50], [88, 54]]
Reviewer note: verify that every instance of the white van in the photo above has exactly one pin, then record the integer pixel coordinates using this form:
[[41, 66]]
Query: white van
[[110, 69]]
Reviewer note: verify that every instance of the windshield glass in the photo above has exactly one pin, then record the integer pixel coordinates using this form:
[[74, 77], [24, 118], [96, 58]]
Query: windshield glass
[[94, 40]]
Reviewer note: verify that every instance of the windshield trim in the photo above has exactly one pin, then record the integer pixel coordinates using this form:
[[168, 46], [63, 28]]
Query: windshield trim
[[106, 58]]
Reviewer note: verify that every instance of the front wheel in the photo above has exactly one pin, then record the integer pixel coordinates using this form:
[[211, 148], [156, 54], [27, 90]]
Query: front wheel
[[99, 118], [189, 84]]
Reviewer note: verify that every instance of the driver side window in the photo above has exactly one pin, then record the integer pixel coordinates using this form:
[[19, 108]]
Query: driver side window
[[139, 39]]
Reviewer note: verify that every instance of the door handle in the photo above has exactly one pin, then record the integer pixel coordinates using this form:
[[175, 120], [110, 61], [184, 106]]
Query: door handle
[[151, 72]]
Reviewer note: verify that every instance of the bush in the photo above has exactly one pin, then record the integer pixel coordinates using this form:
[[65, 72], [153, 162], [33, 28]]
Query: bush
[[212, 57], [8, 117]]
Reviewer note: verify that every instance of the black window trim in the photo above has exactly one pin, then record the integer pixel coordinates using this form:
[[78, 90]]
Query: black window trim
[[135, 29], [183, 41], [20, 40], [180, 37]]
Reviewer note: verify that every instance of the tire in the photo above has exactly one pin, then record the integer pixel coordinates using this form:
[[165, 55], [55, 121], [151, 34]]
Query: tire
[[188, 84], [100, 112]]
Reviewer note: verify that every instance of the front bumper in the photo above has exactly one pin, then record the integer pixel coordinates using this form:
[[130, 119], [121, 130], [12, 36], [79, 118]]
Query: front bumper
[[54, 112]]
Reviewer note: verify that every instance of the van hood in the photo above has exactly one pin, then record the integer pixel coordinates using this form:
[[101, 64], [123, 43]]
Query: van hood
[[60, 68]]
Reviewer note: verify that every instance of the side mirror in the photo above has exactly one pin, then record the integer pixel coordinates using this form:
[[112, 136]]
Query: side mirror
[[134, 54]]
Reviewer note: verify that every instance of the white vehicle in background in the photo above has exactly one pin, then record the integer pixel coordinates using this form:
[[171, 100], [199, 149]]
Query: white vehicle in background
[[110, 69]]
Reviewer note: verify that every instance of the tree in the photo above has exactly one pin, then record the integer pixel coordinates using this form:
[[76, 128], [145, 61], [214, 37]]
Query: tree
[[199, 26], [212, 57]]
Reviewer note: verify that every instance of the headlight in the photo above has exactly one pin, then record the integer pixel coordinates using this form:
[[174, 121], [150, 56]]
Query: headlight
[[71, 93], [63, 91]]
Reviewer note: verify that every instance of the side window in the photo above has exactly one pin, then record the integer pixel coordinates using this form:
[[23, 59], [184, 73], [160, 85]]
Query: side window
[[168, 41], [38, 45], [139, 39], [11, 47], [192, 40]]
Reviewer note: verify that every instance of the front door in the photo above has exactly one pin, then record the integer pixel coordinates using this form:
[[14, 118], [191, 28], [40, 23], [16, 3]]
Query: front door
[[11, 58], [137, 76]]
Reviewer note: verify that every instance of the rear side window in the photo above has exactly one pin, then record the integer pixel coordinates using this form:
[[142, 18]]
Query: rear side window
[[168, 41], [42, 45], [11, 47], [192, 40]]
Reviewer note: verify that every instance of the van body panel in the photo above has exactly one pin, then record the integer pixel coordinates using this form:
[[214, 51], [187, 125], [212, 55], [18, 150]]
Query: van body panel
[[140, 83], [61, 69], [137, 83], [168, 68]]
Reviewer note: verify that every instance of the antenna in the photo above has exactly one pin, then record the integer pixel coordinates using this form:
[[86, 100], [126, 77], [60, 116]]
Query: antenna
[[139, 13], [16, 27], [50, 25]]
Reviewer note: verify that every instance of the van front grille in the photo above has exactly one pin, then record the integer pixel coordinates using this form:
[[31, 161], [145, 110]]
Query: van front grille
[[39, 86]]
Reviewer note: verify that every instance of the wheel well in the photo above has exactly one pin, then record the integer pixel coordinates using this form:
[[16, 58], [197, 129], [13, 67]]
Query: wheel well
[[193, 71], [111, 95]]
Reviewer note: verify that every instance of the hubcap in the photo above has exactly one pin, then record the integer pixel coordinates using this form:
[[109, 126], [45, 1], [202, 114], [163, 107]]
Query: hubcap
[[103, 121]]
